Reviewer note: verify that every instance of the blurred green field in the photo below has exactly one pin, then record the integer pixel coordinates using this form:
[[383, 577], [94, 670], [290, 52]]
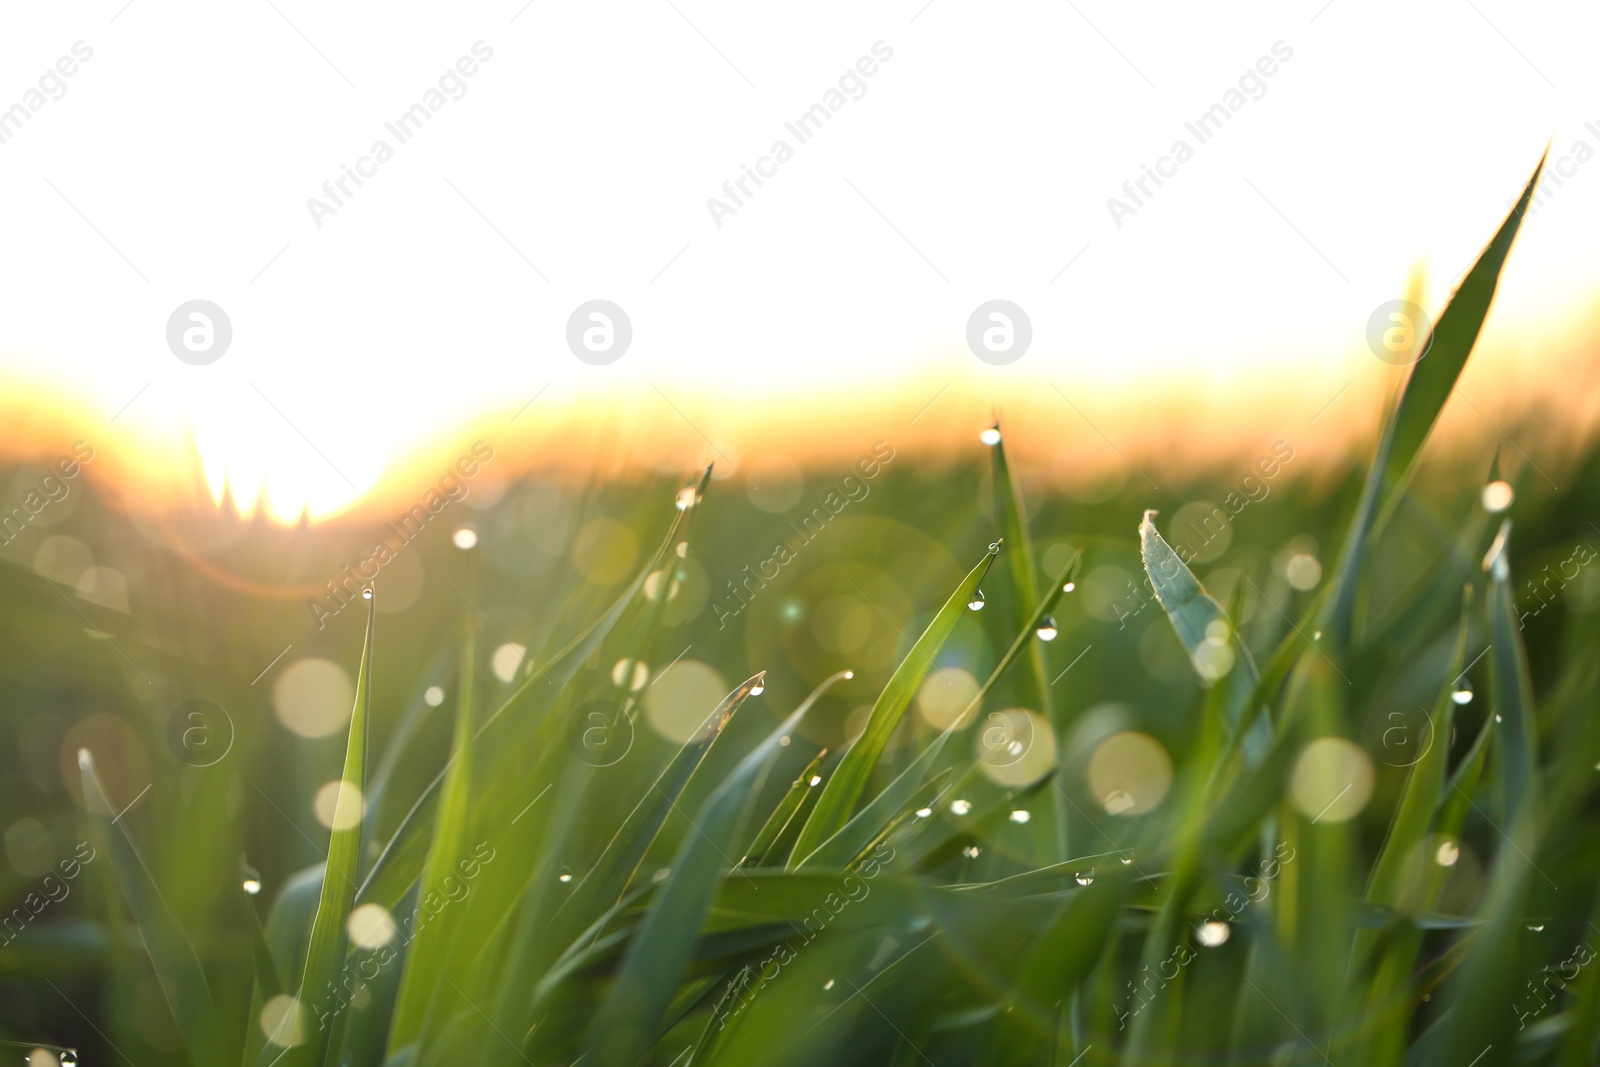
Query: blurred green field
[[656, 772]]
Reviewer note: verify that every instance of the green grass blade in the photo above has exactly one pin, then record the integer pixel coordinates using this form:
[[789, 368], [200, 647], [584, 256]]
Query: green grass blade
[[629, 1019], [173, 957], [1454, 335], [426, 954], [1034, 689], [329, 932], [785, 810], [1207, 636], [1426, 390], [849, 781], [510, 727]]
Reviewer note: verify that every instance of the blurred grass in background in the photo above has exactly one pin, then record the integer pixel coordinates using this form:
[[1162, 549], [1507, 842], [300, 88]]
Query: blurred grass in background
[[1045, 830]]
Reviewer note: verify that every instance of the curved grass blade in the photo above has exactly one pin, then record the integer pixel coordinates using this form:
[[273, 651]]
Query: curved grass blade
[[629, 1019], [177, 967], [1426, 390], [1434, 375], [849, 780], [1207, 636]]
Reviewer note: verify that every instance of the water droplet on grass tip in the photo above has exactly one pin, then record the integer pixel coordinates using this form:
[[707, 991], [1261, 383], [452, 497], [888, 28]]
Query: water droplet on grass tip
[[1047, 629], [1497, 496], [1084, 877], [251, 882], [366, 594], [687, 497], [977, 602], [816, 779], [990, 436], [1462, 695]]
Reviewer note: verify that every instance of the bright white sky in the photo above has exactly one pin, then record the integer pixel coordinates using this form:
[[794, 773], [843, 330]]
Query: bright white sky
[[579, 161]]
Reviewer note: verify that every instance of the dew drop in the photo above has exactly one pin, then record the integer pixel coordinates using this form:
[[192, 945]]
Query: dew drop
[[1125, 860], [1069, 587], [464, 538], [1213, 932], [564, 877], [686, 498], [976, 603], [757, 690], [366, 594], [816, 779], [828, 984], [1021, 815], [1497, 496], [961, 807], [990, 436], [1447, 854], [1536, 927], [1462, 695], [1084, 877], [1047, 629], [971, 852], [68, 1057], [252, 881], [1317, 636], [682, 550], [1497, 718], [433, 696], [923, 813]]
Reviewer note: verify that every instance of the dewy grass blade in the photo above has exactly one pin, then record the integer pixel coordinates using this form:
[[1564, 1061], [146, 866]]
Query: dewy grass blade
[[402, 860], [1207, 634], [628, 1021], [849, 779]]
